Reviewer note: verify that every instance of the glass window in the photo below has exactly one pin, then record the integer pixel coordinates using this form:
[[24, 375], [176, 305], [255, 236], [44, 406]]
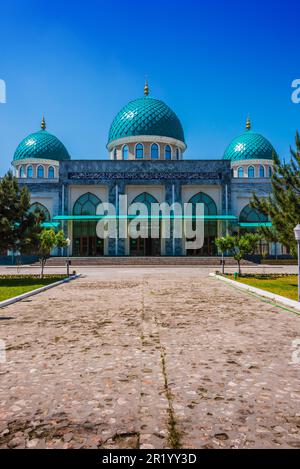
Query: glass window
[[251, 172], [240, 172], [168, 152], [261, 171], [270, 171], [51, 172], [210, 207], [251, 215], [139, 151], [154, 151], [115, 154], [40, 172], [177, 154], [21, 172], [86, 204], [125, 152], [29, 172]]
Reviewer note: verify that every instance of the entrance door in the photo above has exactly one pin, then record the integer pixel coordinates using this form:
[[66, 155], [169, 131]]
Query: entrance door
[[145, 247], [85, 241], [88, 246]]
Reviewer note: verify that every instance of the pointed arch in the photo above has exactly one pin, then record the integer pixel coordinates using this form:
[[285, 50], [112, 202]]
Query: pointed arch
[[139, 151], [261, 171], [51, 173], [86, 204], [40, 171], [38, 207], [251, 215], [154, 151], [210, 207], [251, 173], [30, 172], [147, 199], [240, 172], [168, 152], [125, 152]]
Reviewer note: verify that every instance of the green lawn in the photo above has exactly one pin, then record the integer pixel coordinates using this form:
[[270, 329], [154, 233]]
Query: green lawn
[[10, 287], [286, 285]]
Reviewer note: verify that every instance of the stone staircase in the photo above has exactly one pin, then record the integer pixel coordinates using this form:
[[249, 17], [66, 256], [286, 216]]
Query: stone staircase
[[147, 261]]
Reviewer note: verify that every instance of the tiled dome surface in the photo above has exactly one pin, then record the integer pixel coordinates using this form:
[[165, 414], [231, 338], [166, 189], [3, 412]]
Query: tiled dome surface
[[41, 145], [249, 146], [146, 116]]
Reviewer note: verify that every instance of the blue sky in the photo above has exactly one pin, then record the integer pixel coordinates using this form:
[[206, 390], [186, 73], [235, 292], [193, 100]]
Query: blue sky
[[212, 62]]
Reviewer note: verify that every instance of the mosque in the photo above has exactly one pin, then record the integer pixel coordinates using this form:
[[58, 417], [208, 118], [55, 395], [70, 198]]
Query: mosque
[[146, 146]]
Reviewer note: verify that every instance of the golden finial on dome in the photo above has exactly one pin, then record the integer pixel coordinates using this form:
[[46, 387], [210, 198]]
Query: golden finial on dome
[[43, 124], [146, 88], [248, 123]]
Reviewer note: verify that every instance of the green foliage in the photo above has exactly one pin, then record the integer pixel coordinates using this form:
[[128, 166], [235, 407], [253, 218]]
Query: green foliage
[[285, 285], [245, 245], [61, 240], [225, 243], [283, 206], [240, 246], [46, 241], [15, 285], [17, 225]]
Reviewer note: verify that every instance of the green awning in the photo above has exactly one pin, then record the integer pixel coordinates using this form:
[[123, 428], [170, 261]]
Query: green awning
[[50, 224], [256, 225], [129, 217]]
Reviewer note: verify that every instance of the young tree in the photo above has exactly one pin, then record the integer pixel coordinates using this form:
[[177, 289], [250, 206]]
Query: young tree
[[224, 244], [46, 242], [243, 246], [283, 206], [17, 223]]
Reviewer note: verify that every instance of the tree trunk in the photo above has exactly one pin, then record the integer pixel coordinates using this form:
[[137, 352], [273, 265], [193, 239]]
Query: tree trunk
[[42, 271], [239, 265], [223, 267]]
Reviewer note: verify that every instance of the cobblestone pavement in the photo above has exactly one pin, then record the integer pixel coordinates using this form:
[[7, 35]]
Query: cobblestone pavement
[[140, 357]]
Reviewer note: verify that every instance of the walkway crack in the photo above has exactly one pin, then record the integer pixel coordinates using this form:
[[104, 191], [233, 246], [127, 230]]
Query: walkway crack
[[158, 421], [174, 434]]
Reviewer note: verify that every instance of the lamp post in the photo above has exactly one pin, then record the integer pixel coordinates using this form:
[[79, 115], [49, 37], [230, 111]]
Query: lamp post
[[68, 256], [297, 238]]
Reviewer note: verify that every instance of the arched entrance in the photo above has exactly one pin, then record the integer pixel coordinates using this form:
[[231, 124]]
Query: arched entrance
[[210, 226], [250, 216], [85, 240], [145, 246]]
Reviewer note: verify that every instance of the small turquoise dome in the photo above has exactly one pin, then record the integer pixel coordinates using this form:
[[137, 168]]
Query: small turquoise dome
[[146, 116], [41, 145], [249, 146]]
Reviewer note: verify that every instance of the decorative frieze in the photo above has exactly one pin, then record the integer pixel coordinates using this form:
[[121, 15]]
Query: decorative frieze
[[143, 175]]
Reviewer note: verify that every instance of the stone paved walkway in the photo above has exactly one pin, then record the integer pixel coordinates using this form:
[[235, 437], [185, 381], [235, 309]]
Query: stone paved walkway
[[139, 357]]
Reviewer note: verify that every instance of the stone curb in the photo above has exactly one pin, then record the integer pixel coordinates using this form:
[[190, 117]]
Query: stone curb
[[11, 301], [258, 291]]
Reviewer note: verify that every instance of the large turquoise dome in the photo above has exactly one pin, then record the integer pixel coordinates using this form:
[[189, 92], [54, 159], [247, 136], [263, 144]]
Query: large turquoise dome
[[146, 116], [41, 145], [249, 146]]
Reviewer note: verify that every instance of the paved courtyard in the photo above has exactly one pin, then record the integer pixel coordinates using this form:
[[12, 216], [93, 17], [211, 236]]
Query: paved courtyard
[[149, 358]]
